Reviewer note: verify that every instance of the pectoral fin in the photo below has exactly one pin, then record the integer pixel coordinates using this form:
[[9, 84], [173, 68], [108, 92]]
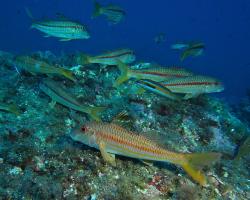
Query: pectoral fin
[[32, 73], [148, 163], [191, 95], [52, 104], [65, 39], [108, 157], [140, 91]]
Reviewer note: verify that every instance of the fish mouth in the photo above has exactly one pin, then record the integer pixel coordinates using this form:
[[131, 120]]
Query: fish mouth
[[75, 132], [86, 36]]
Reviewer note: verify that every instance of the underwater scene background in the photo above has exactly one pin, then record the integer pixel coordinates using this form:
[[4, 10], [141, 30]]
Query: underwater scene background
[[124, 99]]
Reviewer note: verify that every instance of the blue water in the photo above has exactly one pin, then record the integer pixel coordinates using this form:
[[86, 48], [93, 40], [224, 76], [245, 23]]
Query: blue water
[[224, 27]]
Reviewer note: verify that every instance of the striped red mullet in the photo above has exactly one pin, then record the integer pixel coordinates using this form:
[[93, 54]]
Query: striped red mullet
[[108, 58], [112, 140], [64, 29], [155, 73], [193, 86]]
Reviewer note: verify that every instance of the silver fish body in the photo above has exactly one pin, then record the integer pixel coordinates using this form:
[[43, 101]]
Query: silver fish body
[[64, 29]]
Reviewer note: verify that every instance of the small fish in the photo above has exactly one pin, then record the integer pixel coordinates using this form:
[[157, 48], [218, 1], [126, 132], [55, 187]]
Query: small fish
[[193, 50], [64, 29], [155, 73], [189, 49], [157, 88], [160, 38], [112, 140], [179, 46], [113, 13], [194, 85], [60, 95], [109, 58], [10, 108], [40, 67]]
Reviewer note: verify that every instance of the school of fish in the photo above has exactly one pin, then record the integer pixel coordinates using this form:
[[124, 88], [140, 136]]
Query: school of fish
[[174, 83]]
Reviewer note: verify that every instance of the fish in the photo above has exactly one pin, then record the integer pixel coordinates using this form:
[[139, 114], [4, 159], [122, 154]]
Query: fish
[[157, 88], [189, 49], [12, 108], [113, 13], [160, 38], [180, 46], [61, 28], [194, 85], [193, 50], [108, 58], [66, 30], [154, 73], [62, 96], [112, 139], [35, 66]]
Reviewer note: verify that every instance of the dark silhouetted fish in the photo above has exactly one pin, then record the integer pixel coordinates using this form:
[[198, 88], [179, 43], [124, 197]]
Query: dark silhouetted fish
[[113, 13]]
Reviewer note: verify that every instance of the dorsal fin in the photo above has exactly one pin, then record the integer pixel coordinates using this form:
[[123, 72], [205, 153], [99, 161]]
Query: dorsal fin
[[121, 118], [159, 139], [28, 12], [62, 17]]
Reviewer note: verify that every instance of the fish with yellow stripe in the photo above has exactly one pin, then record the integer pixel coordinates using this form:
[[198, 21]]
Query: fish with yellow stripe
[[194, 85], [189, 49], [108, 58], [35, 66], [62, 96], [112, 139], [157, 88], [154, 72], [113, 13]]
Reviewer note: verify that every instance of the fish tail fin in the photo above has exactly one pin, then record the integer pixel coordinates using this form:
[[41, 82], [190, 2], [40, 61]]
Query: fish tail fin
[[83, 59], [28, 12], [95, 112], [97, 10], [68, 74], [124, 73], [196, 161], [14, 109], [184, 55]]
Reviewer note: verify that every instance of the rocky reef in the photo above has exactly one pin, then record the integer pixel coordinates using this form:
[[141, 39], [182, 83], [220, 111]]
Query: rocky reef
[[38, 159]]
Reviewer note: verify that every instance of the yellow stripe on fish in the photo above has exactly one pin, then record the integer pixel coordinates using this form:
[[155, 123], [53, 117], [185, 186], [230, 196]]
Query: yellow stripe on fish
[[157, 88]]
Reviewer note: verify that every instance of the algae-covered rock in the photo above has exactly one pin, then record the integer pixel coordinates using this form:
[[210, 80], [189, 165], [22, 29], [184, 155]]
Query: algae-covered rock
[[38, 159]]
